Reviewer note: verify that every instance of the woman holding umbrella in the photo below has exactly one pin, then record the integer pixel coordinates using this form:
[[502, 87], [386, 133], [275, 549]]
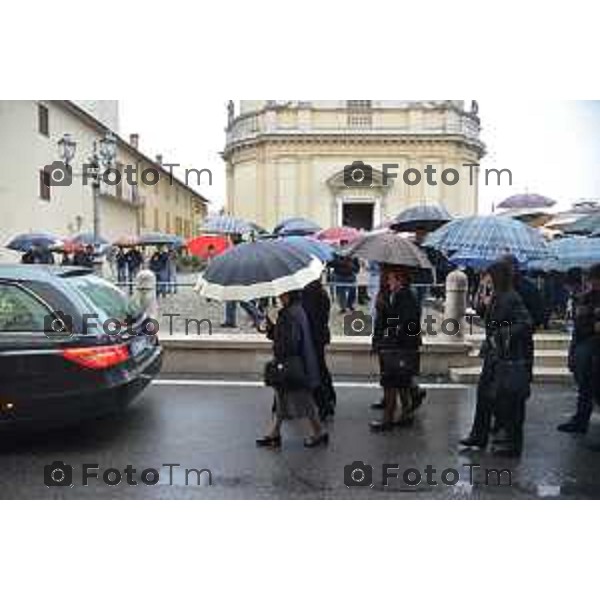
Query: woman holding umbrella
[[396, 340], [266, 269], [294, 373]]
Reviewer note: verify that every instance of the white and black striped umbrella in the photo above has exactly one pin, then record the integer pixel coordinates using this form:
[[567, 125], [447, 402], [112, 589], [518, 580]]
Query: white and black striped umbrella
[[261, 269]]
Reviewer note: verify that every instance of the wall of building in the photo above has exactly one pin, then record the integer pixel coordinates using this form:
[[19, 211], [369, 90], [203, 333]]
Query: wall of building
[[24, 151], [280, 157]]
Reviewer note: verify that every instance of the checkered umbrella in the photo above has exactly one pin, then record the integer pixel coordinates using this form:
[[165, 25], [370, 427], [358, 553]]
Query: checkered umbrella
[[226, 225], [570, 253], [489, 238]]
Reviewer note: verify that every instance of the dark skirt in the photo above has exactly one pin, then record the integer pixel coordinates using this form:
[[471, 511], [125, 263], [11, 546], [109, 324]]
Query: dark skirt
[[294, 404], [397, 367]]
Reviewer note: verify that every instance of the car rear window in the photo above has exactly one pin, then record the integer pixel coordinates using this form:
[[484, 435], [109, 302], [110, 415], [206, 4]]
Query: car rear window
[[103, 296]]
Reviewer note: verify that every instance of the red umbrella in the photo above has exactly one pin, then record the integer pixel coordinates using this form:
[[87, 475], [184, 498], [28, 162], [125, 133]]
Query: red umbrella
[[337, 235], [208, 246]]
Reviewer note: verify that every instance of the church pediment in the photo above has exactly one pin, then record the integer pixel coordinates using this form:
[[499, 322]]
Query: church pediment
[[359, 175]]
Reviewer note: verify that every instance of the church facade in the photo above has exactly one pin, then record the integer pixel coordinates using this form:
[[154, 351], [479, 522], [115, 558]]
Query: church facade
[[350, 162]]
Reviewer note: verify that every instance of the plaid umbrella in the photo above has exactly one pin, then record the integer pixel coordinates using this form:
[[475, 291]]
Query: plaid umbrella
[[296, 226], [570, 253], [337, 235], [426, 216], [226, 225], [390, 248], [584, 225], [489, 238], [260, 269]]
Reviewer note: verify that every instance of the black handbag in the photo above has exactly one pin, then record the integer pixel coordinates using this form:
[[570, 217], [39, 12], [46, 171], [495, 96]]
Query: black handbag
[[287, 374], [398, 366]]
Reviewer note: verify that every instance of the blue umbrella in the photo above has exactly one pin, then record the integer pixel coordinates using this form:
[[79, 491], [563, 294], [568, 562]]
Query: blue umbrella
[[489, 238], [224, 224], [322, 251], [527, 201], [89, 239], [25, 241], [296, 226], [570, 253]]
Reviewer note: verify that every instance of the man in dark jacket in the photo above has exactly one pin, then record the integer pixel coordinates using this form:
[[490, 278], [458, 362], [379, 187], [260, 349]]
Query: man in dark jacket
[[345, 269], [584, 354], [317, 305]]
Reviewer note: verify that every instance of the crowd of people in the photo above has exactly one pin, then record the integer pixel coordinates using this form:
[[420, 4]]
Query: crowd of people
[[510, 309]]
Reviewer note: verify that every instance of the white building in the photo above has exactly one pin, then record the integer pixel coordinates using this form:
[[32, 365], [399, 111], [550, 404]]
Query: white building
[[29, 135]]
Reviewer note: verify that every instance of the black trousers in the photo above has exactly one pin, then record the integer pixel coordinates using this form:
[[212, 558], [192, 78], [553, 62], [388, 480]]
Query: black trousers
[[325, 396], [509, 409]]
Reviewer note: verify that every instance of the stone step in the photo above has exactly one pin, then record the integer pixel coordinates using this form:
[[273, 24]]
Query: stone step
[[543, 358], [543, 341], [540, 374]]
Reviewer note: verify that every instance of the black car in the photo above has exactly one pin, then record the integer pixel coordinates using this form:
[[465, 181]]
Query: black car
[[71, 347]]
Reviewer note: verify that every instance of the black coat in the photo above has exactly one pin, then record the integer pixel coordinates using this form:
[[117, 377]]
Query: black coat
[[398, 321], [316, 304], [292, 337], [509, 330]]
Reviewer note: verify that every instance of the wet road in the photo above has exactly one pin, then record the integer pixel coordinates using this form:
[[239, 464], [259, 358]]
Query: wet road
[[203, 425]]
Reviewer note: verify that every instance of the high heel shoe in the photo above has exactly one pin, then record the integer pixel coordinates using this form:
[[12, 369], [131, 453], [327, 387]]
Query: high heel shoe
[[269, 441]]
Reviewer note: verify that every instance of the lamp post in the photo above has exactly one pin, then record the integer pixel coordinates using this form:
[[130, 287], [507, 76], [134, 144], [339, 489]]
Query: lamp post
[[103, 154]]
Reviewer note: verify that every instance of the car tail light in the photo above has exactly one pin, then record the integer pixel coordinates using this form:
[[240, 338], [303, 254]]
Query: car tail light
[[97, 357]]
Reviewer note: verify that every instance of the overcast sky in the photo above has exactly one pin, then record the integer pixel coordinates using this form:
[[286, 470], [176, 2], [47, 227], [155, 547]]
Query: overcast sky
[[551, 147]]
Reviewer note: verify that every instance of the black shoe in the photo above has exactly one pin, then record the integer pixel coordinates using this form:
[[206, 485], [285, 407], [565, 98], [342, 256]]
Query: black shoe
[[317, 440], [269, 442], [227, 326], [380, 426], [418, 397], [573, 426], [378, 405], [473, 442]]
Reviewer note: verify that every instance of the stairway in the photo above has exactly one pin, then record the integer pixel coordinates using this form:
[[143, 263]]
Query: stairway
[[550, 366]]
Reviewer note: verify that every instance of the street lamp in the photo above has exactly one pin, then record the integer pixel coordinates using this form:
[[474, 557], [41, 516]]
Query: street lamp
[[66, 147], [103, 154]]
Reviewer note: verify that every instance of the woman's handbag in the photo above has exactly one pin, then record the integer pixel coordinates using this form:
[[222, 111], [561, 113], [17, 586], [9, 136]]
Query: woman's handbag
[[287, 374]]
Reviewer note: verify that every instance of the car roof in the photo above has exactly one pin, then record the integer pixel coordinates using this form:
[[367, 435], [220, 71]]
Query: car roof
[[47, 273]]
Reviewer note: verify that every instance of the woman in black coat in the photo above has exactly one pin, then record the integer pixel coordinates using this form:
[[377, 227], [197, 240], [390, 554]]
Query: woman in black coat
[[504, 384], [293, 346], [317, 305], [396, 339]]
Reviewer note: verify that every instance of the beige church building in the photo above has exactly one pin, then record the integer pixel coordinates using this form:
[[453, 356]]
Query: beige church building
[[291, 158]]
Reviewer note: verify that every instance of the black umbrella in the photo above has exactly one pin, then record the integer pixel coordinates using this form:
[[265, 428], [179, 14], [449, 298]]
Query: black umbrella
[[261, 269], [388, 247], [296, 226], [583, 226], [25, 241], [426, 216]]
